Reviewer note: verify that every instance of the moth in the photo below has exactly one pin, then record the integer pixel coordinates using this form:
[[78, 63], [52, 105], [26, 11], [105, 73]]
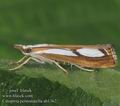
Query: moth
[[85, 57]]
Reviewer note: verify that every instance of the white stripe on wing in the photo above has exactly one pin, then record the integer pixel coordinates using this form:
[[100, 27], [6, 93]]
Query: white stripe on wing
[[90, 52], [57, 51]]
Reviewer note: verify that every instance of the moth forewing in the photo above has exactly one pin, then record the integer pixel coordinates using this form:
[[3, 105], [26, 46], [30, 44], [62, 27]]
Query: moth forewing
[[82, 56], [91, 57]]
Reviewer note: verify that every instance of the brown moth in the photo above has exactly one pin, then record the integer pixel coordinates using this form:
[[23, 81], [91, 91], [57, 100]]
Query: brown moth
[[85, 57]]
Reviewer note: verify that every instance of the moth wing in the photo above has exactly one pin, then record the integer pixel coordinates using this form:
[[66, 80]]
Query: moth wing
[[98, 46]]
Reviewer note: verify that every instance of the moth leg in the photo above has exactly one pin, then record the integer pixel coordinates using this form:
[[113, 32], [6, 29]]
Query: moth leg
[[24, 62], [19, 61], [83, 68], [71, 65], [57, 64], [37, 60]]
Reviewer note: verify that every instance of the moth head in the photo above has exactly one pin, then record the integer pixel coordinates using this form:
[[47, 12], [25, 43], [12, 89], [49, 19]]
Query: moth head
[[26, 50]]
